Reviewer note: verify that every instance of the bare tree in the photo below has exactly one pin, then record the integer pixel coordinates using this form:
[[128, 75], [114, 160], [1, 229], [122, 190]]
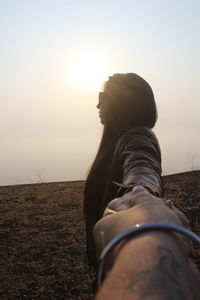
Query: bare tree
[[38, 178], [195, 157]]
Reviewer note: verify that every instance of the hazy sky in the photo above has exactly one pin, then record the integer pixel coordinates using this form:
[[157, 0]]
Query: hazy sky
[[54, 56]]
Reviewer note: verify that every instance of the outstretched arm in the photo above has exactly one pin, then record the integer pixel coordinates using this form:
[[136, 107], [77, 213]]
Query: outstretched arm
[[138, 153], [155, 265]]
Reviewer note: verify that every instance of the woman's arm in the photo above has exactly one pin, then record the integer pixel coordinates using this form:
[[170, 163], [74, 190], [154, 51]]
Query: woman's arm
[[140, 158]]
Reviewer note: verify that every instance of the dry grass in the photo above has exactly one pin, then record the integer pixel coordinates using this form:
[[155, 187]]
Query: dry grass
[[42, 253]]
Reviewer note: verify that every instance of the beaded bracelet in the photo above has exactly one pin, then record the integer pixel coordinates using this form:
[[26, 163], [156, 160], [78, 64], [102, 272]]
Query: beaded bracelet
[[133, 231]]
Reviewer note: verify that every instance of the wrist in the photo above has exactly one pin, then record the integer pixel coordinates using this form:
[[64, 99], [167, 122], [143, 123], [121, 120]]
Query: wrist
[[181, 249], [145, 243], [152, 261]]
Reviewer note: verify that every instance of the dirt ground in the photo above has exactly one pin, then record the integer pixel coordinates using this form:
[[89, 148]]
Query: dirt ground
[[42, 237]]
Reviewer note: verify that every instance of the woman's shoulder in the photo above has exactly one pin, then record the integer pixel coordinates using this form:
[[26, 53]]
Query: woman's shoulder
[[137, 136], [138, 131]]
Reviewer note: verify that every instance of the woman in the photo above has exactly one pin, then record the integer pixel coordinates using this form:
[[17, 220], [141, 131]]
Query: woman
[[129, 153]]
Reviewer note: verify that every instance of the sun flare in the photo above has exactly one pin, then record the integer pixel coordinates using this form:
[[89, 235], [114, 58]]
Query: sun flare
[[89, 70]]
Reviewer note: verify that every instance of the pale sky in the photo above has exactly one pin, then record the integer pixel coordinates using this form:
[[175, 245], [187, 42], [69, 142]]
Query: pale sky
[[54, 58]]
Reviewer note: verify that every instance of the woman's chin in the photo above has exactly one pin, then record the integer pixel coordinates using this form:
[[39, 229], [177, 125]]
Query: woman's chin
[[101, 120]]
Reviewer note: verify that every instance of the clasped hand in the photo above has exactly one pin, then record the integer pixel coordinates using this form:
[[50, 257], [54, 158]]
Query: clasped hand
[[136, 207]]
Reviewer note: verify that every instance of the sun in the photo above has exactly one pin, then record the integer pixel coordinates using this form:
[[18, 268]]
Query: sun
[[88, 70]]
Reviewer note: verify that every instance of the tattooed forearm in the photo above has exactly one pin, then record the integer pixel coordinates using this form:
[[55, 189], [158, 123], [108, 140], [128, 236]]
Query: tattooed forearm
[[153, 267], [164, 281]]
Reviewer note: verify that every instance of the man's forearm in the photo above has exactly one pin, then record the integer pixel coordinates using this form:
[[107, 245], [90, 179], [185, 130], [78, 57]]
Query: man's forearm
[[152, 266]]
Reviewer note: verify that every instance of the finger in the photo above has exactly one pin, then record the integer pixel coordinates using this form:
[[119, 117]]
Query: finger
[[169, 203], [119, 204], [181, 216], [98, 234], [127, 200], [140, 194], [108, 212], [138, 189], [130, 199]]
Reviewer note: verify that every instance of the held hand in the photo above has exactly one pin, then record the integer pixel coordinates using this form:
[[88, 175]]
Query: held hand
[[136, 207], [153, 264]]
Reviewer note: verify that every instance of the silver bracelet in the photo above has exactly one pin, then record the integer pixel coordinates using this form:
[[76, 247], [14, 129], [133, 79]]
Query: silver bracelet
[[133, 231]]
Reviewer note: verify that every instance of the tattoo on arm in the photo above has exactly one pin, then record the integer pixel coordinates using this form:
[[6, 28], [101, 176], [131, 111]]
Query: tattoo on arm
[[163, 282]]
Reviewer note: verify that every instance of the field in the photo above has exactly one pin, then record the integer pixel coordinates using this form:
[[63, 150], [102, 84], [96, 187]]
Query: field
[[42, 253]]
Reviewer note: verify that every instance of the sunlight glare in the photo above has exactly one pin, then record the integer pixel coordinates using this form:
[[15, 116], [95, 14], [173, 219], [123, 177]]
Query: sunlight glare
[[89, 70]]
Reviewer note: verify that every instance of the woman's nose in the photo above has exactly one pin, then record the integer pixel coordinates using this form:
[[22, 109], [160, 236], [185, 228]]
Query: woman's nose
[[98, 106]]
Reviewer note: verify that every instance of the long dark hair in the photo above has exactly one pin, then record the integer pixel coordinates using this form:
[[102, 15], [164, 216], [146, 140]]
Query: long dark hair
[[129, 102]]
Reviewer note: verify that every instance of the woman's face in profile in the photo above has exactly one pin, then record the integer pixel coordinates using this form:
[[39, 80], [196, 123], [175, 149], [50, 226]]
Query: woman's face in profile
[[100, 106]]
